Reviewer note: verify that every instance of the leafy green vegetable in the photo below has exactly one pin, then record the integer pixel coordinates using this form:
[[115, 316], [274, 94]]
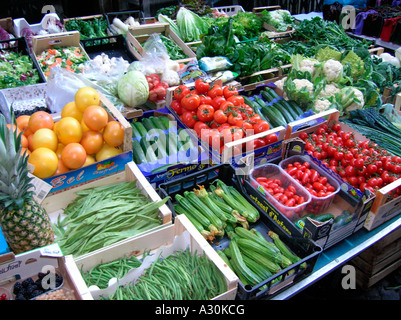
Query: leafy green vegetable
[[356, 63], [190, 25], [328, 53], [173, 50], [279, 19], [16, 70], [91, 28]]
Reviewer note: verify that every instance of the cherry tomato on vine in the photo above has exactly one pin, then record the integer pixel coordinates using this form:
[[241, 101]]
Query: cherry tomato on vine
[[235, 119]]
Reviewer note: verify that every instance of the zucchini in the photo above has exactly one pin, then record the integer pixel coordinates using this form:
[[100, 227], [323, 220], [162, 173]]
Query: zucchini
[[260, 102], [283, 248], [267, 97], [135, 132], [247, 234], [275, 116], [288, 108], [206, 234], [257, 268], [270, 116], [286, 115], [270, 265], [323, 217], [272, 92], [279, 116], [296, 107], [137, 152], [148, 150], [141, 128], [147, 123]]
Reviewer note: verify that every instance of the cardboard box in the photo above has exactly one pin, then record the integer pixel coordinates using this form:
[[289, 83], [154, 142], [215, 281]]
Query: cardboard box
[[374, 204], [177, 164], [63, 39], [54, 204], [7, 25], [102, 168], [19, 267], [182, 234], [306, 249], [233, 151], [136, 36]]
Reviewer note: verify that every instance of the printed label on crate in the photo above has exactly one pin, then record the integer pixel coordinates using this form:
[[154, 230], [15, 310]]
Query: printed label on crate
[[91, 172], [40, 188]]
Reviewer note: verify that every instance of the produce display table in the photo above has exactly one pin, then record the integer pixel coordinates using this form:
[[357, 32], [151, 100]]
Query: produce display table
[[340, 254]]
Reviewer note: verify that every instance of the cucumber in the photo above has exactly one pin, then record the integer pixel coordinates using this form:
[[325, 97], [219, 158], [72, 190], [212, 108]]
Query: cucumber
[[323, 217], [260, 102], [255, 107], [135, 132], [288, 108], [283, 112], [147, 123], [272, 92], [141, 128], [185, 140], [148, 150], [157, 123], [270, 115], [137, 152], [266, 96]]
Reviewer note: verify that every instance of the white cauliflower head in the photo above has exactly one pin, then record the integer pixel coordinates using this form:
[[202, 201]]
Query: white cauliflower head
[[328, 91], [321, 105], [308, 65], [333, 70], [301, 83]]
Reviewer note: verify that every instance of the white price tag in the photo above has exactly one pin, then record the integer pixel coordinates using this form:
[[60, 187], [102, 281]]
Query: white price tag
[[52, 250], [40, 188]]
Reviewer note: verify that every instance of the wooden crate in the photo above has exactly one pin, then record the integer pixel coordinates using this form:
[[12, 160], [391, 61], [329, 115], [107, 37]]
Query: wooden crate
[[269, 76], [29, 264], [7, 25], [54, 204], [379, 260], [136, 36], [152, 241], [277, 34]]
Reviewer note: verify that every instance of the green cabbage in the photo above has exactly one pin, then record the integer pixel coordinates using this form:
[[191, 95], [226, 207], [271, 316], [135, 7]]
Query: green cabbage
[[190, 25], [133, 88]]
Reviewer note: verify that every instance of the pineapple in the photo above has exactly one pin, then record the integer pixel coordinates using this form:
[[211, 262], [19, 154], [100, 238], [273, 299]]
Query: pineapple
[[25, 224]]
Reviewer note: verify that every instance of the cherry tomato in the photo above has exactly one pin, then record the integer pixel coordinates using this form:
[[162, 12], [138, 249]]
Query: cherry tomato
[[180, 92], [205, 112], [303, 136], [201, 86], [229, 91], [190, 102]]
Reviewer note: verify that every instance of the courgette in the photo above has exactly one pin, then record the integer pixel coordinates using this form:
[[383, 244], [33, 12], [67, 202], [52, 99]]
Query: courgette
[[267, 97], [272, 92], [288, 108], [270, 115], [286, 115], [296, 107], [135, 132], [141, 128], [255, 107], [148, 150], [137, 152], [147, 123], [323, 217]]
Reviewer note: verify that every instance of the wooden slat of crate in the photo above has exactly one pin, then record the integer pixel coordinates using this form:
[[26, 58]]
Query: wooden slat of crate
[[382, 261], [7, 25], [138, 35], [271, 75]]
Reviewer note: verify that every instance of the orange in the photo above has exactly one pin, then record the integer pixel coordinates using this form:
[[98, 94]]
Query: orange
[[106, 152], [113, 133], [89, 160], [45, 162], [85, 97], [71, 110], [92, 141], [73, 155], [22, 122], [68, 130], [60, 148], [61, 168], [95, 117], [30, 140], [45, 138], [84, 126], [39, 120], [24, 141]]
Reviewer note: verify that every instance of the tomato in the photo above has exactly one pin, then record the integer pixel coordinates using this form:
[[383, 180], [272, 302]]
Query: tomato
[[247, 128], [215, 140], [217, 102], [261, 126], [176, 106], [215, 90], [336, 127], [199, 126], [205, 99], [255, 144], [188, 118], [190, 102], [180, 92], [229, 91], [254, 118], [236, 100], [303, 136], [271, 138], [371, 168], [201, 86], [205, 112], [237, 134], [223, 126], [235, 120], [220, 117]]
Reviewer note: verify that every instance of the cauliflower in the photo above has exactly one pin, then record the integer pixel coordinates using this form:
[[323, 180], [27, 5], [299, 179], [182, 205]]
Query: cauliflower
[[321, 105], [280, 85], [308, 65], [299, 90], [333, 70], [350, 98], [302, 83], [171, 77], [328, 91]]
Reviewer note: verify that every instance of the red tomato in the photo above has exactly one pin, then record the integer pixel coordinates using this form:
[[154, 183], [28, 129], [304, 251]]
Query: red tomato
[[227, 107], [220, 117], [229, 91], [237, 100], [235, 120], [180, 92], [190, 102], [205, 113], [271, 138], [261, 126], [217, 102], [215, 90], [201, 86], [205, 99], [199, 126], [255, 144], [189, 118], [176, 106], [215, 140]]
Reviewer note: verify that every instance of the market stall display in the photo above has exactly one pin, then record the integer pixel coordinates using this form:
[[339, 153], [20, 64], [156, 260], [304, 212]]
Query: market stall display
[[241, 143]]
